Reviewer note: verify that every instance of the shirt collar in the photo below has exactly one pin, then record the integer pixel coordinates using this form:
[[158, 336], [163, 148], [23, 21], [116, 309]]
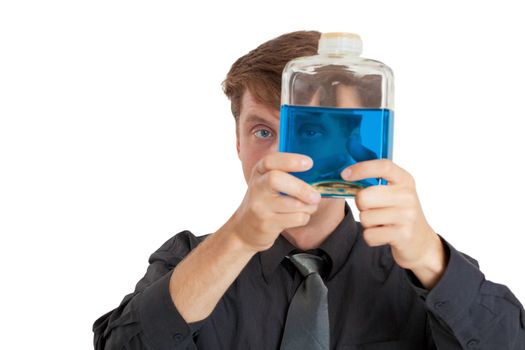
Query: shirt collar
[[337, 246], [272, 257]]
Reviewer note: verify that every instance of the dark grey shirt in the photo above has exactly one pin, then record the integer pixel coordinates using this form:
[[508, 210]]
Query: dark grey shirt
[[373, 303]]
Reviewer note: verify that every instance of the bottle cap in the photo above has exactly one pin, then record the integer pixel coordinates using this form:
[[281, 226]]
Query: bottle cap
[[340, 43]]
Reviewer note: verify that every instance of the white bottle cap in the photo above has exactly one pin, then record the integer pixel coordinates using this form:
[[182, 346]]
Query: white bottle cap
[[340, 43]]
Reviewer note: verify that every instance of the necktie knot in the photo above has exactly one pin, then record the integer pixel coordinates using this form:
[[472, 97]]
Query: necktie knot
[[308, 263]]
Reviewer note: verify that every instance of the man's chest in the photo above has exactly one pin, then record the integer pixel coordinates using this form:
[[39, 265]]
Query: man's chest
[[364, 313]]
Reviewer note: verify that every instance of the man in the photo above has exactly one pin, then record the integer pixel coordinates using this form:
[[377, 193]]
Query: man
[[392, 282]]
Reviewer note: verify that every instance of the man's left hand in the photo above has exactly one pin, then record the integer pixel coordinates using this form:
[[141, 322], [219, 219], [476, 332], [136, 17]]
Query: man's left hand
[[391, 214]]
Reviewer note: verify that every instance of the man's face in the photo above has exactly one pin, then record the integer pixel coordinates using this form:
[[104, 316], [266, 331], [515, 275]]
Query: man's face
[[258, 133]]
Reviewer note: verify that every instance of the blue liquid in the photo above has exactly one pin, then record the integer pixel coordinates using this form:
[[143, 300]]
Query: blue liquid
[[336, 138]]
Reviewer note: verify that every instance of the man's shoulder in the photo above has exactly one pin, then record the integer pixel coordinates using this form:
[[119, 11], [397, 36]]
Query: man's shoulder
[[177, 247], [184, 238]]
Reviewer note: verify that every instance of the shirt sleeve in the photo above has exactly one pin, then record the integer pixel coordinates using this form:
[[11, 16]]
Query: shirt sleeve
[[465, 311], [147, 318]]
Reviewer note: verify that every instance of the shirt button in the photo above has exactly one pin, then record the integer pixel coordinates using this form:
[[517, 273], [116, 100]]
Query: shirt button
[[472, 343], [178, 337]]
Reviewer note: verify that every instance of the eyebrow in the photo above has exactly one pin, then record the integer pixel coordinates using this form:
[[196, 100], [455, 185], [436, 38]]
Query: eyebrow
[[254, 118]]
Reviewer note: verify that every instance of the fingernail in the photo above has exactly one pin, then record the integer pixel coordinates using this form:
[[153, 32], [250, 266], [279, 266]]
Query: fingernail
[[306, 162], [315, 197], [346, 174]]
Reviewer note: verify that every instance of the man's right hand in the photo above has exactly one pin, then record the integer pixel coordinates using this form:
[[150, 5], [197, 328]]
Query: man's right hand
[[264, 213], [201, 279]]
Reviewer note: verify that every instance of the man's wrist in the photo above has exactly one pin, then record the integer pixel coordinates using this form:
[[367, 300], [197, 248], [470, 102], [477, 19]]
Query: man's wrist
[[431, 268], [234, 241]]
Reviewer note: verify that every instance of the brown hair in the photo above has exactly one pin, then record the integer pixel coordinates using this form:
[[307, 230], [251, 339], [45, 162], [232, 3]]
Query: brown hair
[[260, 70]]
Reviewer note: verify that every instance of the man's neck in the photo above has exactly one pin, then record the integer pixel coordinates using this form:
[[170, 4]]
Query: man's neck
[[323, 222]]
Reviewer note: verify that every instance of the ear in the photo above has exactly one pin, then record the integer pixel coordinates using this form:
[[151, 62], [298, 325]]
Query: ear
[[238, 142]]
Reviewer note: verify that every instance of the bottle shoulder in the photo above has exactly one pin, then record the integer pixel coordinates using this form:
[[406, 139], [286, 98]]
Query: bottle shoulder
[[356, 64]]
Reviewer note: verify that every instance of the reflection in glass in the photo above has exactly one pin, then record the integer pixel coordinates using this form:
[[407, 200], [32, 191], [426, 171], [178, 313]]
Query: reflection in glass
[[336, 138]]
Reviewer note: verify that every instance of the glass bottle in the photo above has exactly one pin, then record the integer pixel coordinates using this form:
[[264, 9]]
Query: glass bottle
[[337, 108]]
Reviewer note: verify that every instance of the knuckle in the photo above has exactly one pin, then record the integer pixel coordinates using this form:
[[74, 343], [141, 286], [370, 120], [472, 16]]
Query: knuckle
[[266, 163], [312, 208], [305, 191], [388, 165], [273, 178], [358, 202], [362, 198], [363, 218], [290, 204], [301, 206], [367, 236], [302, 218]]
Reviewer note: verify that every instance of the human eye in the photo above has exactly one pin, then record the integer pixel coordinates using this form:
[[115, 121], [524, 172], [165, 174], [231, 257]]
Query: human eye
[[311, 131], [264, 134]]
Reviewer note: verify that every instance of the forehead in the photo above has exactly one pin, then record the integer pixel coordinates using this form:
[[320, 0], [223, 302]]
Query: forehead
[[254, 112]]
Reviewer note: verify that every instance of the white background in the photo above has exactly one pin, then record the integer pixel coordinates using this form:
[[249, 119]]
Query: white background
[[115, 135]]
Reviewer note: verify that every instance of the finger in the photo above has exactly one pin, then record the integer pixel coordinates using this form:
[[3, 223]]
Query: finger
[[277, 181], [287, 204], [284, 161], [379, 217], [290, 220], [381, 235], [378, 168], [380, 197]]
